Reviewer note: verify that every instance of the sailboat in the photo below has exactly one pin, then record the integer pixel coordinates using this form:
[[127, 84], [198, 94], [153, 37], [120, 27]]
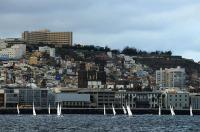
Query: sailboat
[[172, 111], [129, 111], [159, 112], [49, 110], [104, 110], [58, 110], [124, 110], [34, 113], [18, 112], [191, 114], [114, 112]]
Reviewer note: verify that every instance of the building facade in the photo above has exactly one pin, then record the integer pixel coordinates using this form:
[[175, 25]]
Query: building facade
[[14, 52], [137, 99], [173, 77], [47, 37], [177, 99]]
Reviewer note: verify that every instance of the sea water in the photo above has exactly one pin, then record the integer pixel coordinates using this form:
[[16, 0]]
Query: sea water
[[99, 123]]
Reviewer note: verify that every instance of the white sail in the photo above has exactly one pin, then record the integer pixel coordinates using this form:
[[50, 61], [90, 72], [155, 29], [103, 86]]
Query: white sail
[[58, 110], [34, 113], [159, 112], [49, 110], [114, 112], [191, 113], [104, 110], [18, 112], [124, 110], [129, 111], [172, 110]]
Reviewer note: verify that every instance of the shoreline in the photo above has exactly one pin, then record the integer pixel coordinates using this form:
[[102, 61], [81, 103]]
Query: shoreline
[[98, 111]]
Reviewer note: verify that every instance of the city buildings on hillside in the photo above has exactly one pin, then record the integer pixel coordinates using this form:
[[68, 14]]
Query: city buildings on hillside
[[47, 37], [173, 77]]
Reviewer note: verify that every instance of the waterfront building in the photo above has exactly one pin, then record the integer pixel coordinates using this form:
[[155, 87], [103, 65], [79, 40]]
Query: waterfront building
[[73, 100], [176, 98], [173, 77], [39, 96], [47, 37], [195, 100], [11, 97], [99, 97], [137, 99], [1, 98]]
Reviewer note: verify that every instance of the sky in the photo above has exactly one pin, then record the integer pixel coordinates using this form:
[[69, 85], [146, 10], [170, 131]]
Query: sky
[[144, 24]]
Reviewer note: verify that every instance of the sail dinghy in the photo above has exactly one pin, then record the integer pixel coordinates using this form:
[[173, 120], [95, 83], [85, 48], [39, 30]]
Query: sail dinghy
[[104, 110], [114, 112], [191, 113], [129, 110], [34, 113], [18, 112], [172, 111], [124, 110], [58, 110], [49, 110], [159, 111]]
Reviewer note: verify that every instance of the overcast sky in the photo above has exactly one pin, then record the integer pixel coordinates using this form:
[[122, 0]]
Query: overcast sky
[[145, 24]]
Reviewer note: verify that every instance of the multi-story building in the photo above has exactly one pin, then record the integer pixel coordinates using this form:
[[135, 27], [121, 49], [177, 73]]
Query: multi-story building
[[50, 51], [93, 77], [38, 96], [173, 77], [47, 37], [195, 100], [99, 97], [137, 99], [73, 100], [176, 98], [14, 52]]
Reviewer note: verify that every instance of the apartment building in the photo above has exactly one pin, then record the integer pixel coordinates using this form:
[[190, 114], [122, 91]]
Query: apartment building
[[47, 37], [172, 77]]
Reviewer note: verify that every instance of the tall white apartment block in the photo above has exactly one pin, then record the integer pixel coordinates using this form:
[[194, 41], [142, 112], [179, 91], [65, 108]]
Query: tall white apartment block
[[172, 77], [14, 52]]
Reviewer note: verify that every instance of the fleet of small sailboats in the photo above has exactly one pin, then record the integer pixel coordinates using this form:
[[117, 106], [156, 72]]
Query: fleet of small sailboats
[[125, 110]]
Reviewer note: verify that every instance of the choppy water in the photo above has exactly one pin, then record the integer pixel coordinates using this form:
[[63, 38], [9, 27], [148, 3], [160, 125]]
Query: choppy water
[[99, 123]]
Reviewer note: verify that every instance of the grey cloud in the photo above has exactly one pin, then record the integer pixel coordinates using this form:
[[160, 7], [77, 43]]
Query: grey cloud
[[150, 25]]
